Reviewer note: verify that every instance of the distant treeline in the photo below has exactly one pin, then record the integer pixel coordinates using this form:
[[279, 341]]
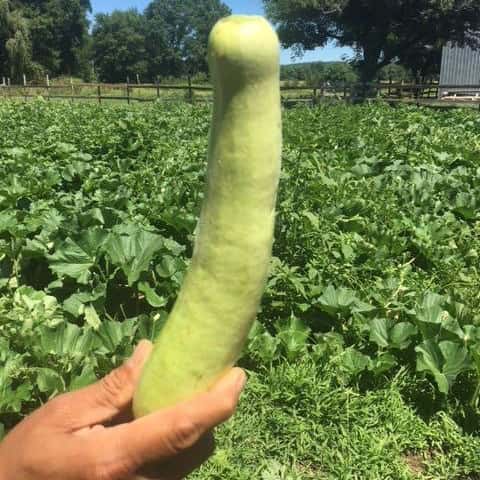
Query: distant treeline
[[315, 73], [168, 39]]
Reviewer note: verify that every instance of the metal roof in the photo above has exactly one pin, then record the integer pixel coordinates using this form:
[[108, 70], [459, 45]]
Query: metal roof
[[460, 66]]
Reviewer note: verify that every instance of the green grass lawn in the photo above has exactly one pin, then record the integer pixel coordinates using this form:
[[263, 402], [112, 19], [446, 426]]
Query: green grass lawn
[[299, 421]]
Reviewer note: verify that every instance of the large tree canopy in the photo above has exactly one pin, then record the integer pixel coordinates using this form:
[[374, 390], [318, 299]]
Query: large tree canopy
[[177, 34], [118, 46], [15, 46], [38, 36], [59, 31], [380, 31]]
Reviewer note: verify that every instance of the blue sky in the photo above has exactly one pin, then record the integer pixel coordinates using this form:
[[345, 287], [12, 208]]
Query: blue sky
[[251, 7]]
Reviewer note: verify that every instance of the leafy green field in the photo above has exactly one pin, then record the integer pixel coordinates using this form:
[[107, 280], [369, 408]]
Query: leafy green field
[[365, 361]]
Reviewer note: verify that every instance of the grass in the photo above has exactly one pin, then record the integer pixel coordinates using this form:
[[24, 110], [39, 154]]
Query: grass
[[297, 421]]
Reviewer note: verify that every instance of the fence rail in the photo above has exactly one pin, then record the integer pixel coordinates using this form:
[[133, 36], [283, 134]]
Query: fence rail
[[145, 92]]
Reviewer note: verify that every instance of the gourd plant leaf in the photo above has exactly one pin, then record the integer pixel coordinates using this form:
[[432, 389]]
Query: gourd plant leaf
[[152, 297], [380, 331], [429, 359], [8, 221], [86, 377], [73, 261], [293, 337], [113, 335], [401, 335], [335, 301], [445, 361], [456, 359], [75, 304], [91, 317], [49, 380], [262, 344], [430, 315], [383, 363], [133, 253], [388, 334], [66, 339], [354, 362]]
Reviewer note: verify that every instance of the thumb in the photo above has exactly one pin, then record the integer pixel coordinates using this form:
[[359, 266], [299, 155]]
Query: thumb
[[169, 432], [107, 398]]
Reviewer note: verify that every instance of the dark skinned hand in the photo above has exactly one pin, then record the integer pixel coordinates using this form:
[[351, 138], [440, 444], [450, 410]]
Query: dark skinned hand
[[90, 434]]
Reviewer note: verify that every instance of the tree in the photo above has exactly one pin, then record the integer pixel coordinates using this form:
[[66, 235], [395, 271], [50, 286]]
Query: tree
[[15, 46], [59, 32], [340, 72], [423, 61], [118, 45], [177, 34], [380, 31]]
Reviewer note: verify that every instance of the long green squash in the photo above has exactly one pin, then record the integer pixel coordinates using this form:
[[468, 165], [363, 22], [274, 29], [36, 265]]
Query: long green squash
[[219, 298]]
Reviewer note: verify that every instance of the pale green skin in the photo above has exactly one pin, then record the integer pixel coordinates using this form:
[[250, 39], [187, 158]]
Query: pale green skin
[[220, 296]]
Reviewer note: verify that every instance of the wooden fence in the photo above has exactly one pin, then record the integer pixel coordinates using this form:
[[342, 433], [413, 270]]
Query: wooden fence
[[291, 93]]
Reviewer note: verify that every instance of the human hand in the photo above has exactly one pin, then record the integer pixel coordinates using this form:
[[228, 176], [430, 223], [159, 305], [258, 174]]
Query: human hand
[[90, 434]]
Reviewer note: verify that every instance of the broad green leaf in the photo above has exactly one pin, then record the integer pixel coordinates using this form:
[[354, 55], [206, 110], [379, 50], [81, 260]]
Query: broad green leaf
[[456, 359], [265, 347], [91, 317], [86, 377], [388, 334], [8, 221], [72, 261], [113, 334], [66, 339], [293, 337], [333, 301], [401, 334], [354, 362], [429, 359], [49, 381], [75, 304], [149, 326], [133, 253], [383, 363], [444, 361], [153, 299], [380, 331]]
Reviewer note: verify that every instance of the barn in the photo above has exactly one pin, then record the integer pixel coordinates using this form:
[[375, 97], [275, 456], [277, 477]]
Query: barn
[[460, 71]]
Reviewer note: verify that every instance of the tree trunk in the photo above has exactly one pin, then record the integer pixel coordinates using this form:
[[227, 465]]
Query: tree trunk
[[368, 70]]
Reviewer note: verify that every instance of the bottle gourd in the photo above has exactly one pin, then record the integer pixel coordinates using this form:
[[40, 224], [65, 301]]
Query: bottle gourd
[[219, 299]]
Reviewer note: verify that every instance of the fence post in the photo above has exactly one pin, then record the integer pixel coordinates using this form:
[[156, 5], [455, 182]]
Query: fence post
[[25, 87], [190, 89], [345, 92], [48, 86], [72, 89], [138, 79], [322, 90], [99, 93], [157, 83], [128, 90]]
